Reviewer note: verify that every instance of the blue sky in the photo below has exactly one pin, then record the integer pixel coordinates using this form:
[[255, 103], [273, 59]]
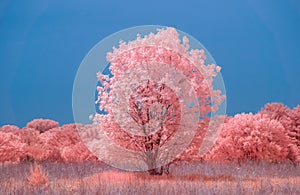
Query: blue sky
[[42, 43]]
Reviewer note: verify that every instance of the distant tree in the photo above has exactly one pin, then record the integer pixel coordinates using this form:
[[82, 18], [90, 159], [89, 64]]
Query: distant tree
[[42, 125], [77, 153], [11, 147], [71, 145], [29, 137], [24, 141], [279, 112], [50, 146], [9, 128], [252, 137], [156, 95], [290, 119], [276, 110], [294, 131], [64, 144]]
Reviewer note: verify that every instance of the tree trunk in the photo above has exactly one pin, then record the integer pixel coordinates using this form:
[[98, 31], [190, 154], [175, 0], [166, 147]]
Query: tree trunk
[[160, 170]]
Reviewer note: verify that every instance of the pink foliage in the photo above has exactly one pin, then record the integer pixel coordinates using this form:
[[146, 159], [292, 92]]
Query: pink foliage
[[49, 145], [150, 110], [37, 176], [29, 137], [42, 125], [71, 146], [279, 112], [162, 48], [9, 128], [22, 143], [252, 137], [67, 135], [192, 151], [290, 119], [244, 136], [11, 147], [64, 144], [55, 144], [77, 153], [276, 111], [294, 132]]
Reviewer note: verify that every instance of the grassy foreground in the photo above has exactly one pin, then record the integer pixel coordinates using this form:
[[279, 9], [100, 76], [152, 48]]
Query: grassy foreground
[[97, 178]]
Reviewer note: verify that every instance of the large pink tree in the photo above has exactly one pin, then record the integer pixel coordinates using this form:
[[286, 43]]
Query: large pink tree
[[158, 102]]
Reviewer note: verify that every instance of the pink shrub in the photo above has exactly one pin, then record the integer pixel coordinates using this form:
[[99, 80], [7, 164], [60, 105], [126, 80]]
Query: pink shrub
[[71, 146], [294, 132], [276, 111], [67, 136], [77, 153], [23, 143], [9, 128], [27, 135], [290, 119], [294, 154], [42, 125], [272, 135], [252, 137], [32, 148], [37, 176], [64, 144], [49, 145], [11, 148], [279, 112]]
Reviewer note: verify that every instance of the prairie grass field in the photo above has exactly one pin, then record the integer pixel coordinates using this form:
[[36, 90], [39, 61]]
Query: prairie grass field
[[195, 178]]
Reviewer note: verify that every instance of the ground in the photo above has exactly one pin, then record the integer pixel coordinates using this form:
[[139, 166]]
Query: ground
[[192, 178]]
